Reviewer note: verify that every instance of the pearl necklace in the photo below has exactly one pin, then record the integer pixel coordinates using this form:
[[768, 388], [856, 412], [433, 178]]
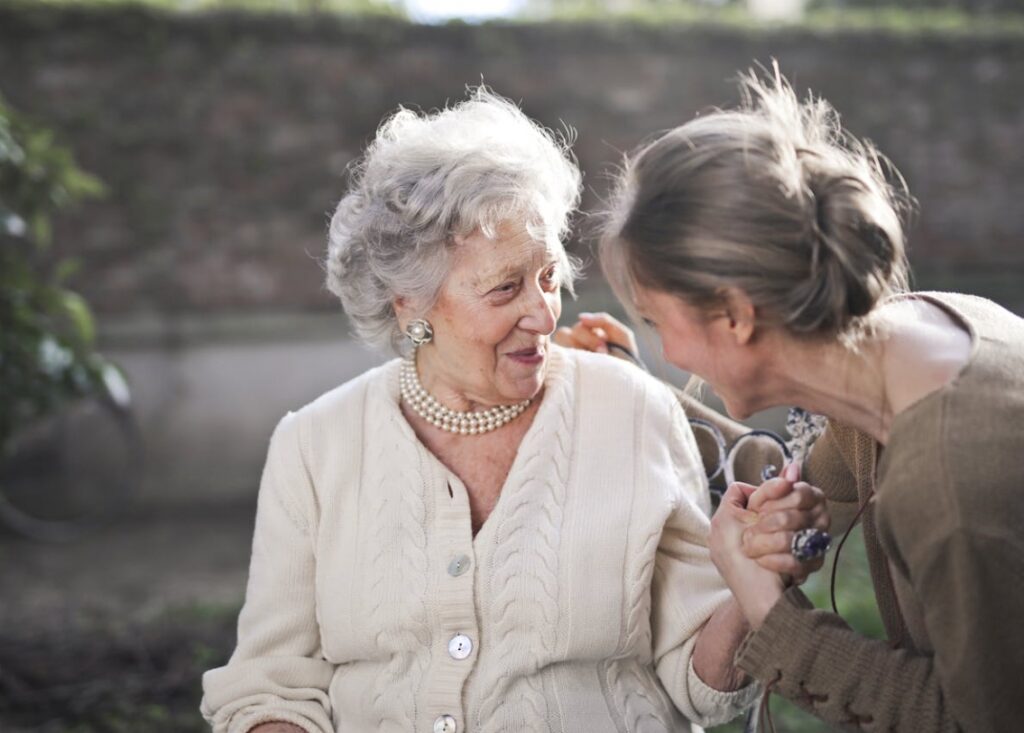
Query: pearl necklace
[[464, 423]]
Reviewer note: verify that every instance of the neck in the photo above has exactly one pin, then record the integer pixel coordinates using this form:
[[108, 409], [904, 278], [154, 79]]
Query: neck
[[446, 388], [831, 379]]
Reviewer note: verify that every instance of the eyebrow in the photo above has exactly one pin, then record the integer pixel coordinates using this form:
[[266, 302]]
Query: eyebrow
[[505, 272], [501, 273]]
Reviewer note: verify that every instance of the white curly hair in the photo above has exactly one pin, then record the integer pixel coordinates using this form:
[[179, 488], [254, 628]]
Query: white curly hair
[[427, 179]]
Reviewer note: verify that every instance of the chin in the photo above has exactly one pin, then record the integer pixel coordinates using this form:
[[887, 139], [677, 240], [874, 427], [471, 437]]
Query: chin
[[524, 383], [736, 409]]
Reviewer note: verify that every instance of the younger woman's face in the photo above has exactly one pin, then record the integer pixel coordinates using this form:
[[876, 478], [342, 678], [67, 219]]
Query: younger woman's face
[[702, 342]]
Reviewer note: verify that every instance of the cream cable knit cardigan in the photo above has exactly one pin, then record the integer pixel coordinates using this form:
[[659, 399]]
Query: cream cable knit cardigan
[[584, 592]]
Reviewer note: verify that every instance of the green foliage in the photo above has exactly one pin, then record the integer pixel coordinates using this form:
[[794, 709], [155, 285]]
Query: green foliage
[[47, 332], [391, 8], [1002, 18]]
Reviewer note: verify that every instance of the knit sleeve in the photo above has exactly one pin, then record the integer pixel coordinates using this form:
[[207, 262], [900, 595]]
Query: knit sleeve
[[815, 659], [686, 590], [277, 671]]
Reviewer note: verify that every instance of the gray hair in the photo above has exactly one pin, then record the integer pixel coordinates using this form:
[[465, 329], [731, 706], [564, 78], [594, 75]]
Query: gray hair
[[429, 178], [773, 198]]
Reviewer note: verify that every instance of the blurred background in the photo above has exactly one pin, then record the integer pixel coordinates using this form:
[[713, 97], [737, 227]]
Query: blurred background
[[167, 170]]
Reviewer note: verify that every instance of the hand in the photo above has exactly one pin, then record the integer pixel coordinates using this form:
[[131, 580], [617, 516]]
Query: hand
[[594, 331], [784, 505], [756, 589]]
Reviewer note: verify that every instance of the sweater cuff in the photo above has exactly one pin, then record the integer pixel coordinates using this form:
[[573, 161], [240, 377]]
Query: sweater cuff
[[718, 706], [245, 720], [759, 654]]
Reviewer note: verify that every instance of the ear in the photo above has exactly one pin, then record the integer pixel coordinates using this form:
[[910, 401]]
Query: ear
[[742, 315], [402, 311]]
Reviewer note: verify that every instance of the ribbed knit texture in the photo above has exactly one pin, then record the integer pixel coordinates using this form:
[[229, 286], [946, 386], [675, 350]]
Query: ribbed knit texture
[[944, 529], [586, 588]]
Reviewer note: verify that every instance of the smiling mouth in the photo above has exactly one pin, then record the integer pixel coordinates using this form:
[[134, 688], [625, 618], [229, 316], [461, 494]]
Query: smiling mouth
[[535, 352]]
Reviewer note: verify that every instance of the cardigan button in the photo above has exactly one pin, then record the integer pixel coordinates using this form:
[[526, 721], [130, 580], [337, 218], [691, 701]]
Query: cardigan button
[[458, 565], [445, 724], [460, 646]]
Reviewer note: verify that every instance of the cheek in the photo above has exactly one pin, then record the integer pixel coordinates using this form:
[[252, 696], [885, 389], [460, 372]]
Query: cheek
[[555, 303], [484, 329], [676, 353], [467, 328], [687, 350]]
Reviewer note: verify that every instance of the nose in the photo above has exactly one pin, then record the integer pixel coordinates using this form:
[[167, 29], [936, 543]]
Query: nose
[[541, 310]]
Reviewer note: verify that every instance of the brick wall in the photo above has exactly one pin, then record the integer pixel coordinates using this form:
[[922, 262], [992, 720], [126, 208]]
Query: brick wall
[[223, 138]]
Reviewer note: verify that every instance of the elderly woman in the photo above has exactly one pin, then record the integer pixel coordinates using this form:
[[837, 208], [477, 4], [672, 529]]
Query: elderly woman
[[492, 533], [765, 246]]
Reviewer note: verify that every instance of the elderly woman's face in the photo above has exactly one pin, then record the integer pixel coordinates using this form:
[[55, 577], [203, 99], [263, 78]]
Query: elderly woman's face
[[494, 316]]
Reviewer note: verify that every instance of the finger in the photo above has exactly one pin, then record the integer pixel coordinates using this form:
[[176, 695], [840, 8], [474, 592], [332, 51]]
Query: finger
[[770, 490], [589, 340], [802, 496], [736, 499], [789, 520], [757, 545], [792, 471], [785, 564], [747, 489], [737, 495], [563, 337], [617, 331], [807, 569]]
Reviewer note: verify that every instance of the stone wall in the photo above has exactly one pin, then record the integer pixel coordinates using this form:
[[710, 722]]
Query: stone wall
[[223, 142], [223, 139]]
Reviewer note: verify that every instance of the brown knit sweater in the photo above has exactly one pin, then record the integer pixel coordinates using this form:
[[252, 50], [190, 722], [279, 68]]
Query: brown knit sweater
[[945, 541]]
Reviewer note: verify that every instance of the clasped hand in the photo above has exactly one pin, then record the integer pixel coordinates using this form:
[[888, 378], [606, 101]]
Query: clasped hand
[[752, 533]]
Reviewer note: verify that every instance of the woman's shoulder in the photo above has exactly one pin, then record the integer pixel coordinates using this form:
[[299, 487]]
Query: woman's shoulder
[[349, 399], [605, 368], [983, 317], [612, 394], [604, 377]]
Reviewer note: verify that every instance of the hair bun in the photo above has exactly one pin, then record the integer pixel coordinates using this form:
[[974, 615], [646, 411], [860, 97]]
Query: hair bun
[[773, 198], [854, 258]]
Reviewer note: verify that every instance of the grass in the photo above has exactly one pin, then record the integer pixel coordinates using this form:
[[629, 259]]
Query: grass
[[91, 678]]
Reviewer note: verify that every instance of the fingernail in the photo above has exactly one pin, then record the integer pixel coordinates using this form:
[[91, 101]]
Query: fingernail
[[601, 349], [792, 471], [586, 315]]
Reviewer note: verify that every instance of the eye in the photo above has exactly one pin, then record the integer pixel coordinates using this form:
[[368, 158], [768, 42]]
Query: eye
[[506, 289], [649, 323], [550, 275]]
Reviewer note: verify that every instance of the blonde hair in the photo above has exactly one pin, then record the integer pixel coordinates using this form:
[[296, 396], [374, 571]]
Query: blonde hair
[[773, 198]]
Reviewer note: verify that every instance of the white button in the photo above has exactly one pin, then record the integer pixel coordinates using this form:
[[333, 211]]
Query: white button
[[460, 646], [445, 724], [458, 565]]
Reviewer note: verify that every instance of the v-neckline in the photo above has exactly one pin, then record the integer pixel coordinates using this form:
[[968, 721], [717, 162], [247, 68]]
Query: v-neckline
[[558, 363]]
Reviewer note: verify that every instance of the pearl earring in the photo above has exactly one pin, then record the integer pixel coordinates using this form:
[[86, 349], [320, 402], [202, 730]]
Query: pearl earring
[[419, 331]]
